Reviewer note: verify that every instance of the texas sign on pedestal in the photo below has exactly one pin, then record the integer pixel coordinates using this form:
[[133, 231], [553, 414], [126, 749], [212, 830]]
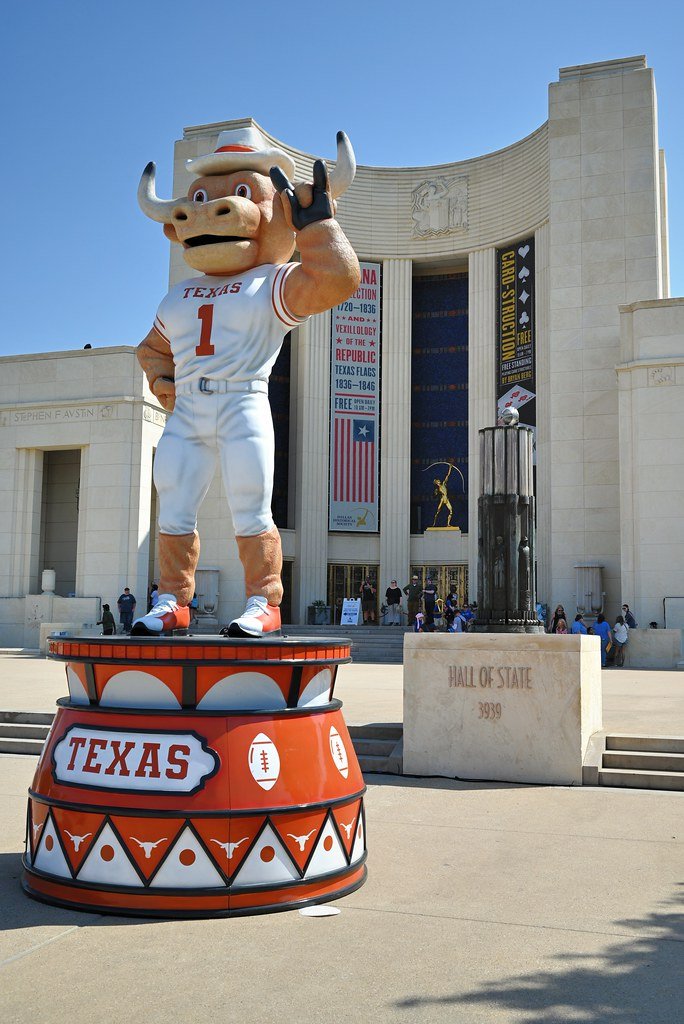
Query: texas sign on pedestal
[[195, 777]]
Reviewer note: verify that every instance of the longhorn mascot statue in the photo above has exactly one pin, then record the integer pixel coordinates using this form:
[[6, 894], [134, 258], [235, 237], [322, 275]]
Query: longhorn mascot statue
[[214, 341]]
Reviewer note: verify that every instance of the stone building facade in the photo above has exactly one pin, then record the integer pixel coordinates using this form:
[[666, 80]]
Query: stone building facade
[[585, 195]]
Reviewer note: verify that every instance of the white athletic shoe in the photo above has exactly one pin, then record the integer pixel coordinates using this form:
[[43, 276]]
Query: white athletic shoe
[[166, 616], [258, 619]]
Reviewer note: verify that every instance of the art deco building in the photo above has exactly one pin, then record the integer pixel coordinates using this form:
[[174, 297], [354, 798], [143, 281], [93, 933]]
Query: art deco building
[[535, 276]]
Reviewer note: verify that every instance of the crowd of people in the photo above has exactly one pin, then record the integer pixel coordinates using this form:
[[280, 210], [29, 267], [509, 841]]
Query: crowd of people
[[425, 612], [614, 639]]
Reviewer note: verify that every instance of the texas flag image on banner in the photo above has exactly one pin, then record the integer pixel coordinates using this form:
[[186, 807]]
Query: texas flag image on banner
[[354, 444], [355, 407]]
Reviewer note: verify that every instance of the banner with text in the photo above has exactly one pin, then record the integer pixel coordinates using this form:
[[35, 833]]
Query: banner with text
[[515, 290], [355, 407]]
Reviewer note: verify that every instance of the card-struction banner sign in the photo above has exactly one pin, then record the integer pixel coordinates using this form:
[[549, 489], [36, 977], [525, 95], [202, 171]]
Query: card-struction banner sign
[[355, 407], [516, 384]]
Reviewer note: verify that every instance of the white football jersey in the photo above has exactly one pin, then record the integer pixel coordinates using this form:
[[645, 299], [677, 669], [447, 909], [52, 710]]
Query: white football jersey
[[227, 328]]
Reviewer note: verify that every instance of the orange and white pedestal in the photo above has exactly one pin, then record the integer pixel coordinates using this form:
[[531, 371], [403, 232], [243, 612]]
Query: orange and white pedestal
[[196, 776]]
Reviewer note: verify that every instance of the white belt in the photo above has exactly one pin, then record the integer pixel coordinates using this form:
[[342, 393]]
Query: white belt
[[209, 386]]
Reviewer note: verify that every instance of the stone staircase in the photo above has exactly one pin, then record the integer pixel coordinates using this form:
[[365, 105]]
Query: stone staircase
[[371, 645], [379, 747], [24, 732], [643, 762]]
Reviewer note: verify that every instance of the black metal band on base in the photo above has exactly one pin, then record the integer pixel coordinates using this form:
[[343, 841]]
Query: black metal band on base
[[183, 914]]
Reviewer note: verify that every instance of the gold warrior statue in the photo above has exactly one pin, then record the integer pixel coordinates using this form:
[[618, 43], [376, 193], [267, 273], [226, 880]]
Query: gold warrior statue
[[443, 494]]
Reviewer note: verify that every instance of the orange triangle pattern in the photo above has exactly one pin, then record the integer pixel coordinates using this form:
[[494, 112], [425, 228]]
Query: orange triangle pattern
[[78, 832], [228, 840], [346, 818], [299, 833], [147, 839], [39, 813]]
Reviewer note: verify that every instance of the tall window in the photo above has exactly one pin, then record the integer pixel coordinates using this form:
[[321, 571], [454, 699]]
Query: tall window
[[439, 399]]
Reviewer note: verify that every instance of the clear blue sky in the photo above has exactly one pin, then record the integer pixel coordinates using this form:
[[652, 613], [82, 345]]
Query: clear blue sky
[[94, 91]]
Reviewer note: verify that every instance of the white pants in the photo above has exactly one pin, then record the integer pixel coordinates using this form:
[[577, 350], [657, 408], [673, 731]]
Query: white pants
[[239, 429]]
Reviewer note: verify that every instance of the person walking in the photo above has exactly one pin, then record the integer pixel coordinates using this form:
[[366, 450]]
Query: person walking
[[602, 629], [413, 591], [578, 625], [367, 591], [621, 638], [107, 622], [126, 605], [393, 598]]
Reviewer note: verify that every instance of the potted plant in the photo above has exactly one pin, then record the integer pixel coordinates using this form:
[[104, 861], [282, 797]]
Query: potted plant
[[318, 614]]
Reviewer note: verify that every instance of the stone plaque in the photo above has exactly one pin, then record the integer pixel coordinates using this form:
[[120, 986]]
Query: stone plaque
[[506, 707], [661, 375]]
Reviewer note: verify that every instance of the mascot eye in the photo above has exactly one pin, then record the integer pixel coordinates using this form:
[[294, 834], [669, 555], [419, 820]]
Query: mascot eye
[[200, 196], [244, 191]]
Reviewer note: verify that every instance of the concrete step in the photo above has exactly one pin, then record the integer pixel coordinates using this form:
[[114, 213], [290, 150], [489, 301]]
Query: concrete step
[[634, 779], [373, 763], [18, 745], [644, 761], [374, 748], [655, 744], [32, 717], [20, 731], [377, 731], [378, 746]]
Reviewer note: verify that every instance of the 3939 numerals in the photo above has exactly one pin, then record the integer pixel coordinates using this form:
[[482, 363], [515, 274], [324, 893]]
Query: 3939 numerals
[[489, 710]]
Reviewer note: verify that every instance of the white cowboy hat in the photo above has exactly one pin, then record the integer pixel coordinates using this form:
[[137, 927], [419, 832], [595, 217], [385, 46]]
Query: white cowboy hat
[[241, 149]]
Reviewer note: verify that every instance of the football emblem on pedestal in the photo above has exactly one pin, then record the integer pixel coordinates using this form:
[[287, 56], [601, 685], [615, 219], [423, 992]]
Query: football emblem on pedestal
[[339, 753], [264, 761]]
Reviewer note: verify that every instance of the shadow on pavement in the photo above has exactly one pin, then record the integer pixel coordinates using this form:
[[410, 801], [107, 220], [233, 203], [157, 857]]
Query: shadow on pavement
[[637, 980], [20, 911]]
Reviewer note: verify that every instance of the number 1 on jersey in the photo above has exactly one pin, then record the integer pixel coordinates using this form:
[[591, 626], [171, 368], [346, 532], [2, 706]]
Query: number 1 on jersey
[[206, 315]]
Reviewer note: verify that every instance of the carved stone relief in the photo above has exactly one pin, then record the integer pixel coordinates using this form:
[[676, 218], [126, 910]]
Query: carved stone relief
[[440, 206]]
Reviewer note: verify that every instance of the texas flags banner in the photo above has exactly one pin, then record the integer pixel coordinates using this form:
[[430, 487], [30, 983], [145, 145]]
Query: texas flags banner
[[355, 407]]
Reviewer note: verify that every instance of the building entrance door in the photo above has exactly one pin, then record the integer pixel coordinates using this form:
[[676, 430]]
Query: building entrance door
[[445, 578], [345, 581]]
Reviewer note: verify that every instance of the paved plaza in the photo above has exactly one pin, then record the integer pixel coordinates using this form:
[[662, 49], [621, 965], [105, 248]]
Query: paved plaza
[[484, 902]]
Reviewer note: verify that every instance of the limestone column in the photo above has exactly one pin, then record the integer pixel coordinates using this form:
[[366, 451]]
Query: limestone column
[[481, 382], [25, 550], [313, 430], [395, 424], [543, 453]]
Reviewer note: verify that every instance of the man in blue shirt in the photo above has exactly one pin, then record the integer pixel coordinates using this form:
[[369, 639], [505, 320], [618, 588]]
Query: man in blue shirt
[[602, 629], [578, 625]]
